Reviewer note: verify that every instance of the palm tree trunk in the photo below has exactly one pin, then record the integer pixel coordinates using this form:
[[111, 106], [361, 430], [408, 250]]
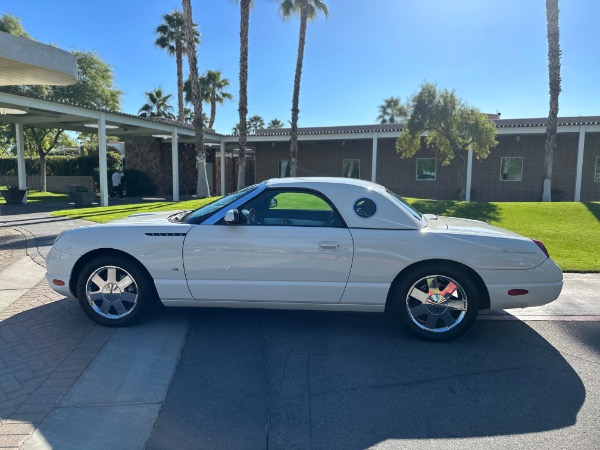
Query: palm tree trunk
[[202, 189], [296, 96], [554, 81], [179, 59], [213, 111], [243, 105]]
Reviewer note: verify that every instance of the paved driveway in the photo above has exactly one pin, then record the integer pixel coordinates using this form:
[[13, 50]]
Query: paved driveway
[[276, 379]]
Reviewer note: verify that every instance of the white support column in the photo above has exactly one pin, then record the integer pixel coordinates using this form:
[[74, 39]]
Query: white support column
[[579, 163], [175, 162], [374, 159], [223, 164], [469, 173], [21, 171], [103, 166]]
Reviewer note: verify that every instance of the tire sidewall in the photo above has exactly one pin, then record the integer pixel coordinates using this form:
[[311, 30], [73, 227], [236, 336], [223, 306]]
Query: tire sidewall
[[146, 291], [406, 282]]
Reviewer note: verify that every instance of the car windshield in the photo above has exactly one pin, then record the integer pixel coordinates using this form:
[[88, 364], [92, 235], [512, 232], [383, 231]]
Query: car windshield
[[416, 214], [201, 214]]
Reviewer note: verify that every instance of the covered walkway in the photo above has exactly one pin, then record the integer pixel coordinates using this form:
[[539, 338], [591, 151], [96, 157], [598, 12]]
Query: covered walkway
[[27, 111]]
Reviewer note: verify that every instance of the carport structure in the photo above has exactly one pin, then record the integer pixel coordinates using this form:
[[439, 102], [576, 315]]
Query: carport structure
[[28, 111]]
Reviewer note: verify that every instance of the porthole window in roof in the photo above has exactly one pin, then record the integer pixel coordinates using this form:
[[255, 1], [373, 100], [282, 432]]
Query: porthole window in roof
[[365, 207]]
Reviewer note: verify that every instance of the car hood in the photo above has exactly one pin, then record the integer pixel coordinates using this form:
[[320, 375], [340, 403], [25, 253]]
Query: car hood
[[150, 218]]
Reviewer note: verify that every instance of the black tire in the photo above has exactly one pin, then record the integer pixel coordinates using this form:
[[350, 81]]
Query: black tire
[[447, 303], [121, 293]]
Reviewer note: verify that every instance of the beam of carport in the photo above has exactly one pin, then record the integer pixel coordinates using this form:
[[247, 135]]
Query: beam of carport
[[103, 166], [21, 173], [175, 163]]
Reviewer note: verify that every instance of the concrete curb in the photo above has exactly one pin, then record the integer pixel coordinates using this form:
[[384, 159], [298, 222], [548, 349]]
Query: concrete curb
[[31, 245]]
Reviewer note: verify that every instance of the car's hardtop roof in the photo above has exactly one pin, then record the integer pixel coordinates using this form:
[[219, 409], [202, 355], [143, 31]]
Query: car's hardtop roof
[[308, 182]]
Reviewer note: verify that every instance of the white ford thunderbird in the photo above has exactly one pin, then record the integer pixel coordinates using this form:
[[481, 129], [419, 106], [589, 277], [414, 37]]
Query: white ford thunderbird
[[313, 243]]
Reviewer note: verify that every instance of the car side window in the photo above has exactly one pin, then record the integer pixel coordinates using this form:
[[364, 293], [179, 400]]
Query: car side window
[[289, 208]]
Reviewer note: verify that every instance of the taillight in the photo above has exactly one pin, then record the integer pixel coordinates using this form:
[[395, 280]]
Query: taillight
[[542, 247]]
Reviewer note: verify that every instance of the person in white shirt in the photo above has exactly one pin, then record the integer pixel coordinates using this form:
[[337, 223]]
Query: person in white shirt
[[117, 183]]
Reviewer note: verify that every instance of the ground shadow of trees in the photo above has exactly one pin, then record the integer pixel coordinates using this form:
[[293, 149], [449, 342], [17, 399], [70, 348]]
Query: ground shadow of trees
[[594, 208]]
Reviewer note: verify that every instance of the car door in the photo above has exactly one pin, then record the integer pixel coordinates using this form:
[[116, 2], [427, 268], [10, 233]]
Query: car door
[[289, 246]]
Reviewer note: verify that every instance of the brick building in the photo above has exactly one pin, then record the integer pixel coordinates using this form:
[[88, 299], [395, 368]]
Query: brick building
[[513, 171]]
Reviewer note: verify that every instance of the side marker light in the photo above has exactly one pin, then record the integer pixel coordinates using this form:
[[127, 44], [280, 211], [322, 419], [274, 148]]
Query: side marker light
[[515, 292]]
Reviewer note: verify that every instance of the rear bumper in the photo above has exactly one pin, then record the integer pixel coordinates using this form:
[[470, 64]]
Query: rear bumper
[[543, 283]]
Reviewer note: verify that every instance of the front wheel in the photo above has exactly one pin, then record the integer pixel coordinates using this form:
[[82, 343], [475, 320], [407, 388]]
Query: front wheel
[[114, 291], [437, 303]]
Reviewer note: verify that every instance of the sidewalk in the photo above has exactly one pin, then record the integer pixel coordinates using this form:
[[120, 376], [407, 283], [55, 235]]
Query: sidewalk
[[61, 374]]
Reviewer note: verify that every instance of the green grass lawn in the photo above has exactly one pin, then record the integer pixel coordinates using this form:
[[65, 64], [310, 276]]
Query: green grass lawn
[[34, 196], [570, 231]]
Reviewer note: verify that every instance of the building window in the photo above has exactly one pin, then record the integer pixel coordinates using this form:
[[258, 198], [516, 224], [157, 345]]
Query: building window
[[511, 169], [351, 168], [284, 168], [597, 172], [426, 169]]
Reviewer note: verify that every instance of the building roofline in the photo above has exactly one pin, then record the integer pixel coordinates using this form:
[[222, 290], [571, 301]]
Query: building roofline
[[25, 61]]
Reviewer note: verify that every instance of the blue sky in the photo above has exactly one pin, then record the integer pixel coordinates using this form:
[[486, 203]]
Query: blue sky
[[493, 53]]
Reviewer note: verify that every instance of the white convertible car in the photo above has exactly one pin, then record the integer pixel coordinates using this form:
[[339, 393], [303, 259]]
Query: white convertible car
[[305, 243]]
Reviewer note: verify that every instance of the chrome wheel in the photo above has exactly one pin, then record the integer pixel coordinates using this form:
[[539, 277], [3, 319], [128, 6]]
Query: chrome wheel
[[111, 292], [436, 303]]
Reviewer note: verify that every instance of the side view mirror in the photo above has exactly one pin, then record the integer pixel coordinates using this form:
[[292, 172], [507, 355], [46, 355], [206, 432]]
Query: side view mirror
[[232, 217], [273, 203]]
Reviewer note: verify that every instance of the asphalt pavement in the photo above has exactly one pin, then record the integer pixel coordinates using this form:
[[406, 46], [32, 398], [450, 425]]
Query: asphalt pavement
[[221, 378]]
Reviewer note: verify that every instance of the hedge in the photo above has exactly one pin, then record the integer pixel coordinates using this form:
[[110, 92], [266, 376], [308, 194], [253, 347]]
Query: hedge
[[64, 165]]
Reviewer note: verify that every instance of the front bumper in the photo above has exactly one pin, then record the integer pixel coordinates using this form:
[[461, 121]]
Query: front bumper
[[59, 266], [52, 279]]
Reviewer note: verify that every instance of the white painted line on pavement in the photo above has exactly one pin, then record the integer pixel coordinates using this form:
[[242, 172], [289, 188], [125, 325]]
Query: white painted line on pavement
[[534, 318]]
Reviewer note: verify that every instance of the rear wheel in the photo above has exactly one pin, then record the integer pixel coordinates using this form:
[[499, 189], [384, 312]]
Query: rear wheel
[[113, 290], [437, 302]]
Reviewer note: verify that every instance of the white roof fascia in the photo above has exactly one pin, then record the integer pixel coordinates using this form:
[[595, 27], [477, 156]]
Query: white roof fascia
[[36, 103], [25, 61], [542, 129]]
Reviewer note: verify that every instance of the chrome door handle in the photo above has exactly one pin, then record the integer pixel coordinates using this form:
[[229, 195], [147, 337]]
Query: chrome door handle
[[330, 246]]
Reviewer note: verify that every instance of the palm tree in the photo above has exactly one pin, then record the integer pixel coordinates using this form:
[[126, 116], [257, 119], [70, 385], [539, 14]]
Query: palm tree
[[157, 105], [554, 81], [171, 37], [306, 9], [391, 110], [255, 123], [202, 189], [245, 6], [212, 88], [275, 123]]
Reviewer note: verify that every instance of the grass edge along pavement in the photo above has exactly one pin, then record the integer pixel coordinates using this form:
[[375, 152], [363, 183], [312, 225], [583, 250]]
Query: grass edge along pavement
[[570, 230]]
